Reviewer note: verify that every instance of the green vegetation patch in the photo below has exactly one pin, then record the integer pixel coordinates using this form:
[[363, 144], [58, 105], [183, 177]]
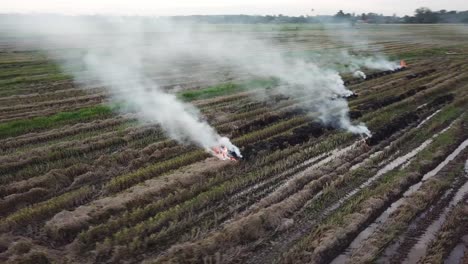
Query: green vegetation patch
[[17, 127], [227, 88]]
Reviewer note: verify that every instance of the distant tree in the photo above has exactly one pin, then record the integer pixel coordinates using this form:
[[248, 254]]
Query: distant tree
[[407, 19], [425, 15], [422, 15], [269, 19], [300, 19], [340, 14], [341, 17], [363, 17]]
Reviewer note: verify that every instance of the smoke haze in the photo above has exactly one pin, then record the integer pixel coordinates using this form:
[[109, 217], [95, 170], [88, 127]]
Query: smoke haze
[[357, 42], [115, 51]]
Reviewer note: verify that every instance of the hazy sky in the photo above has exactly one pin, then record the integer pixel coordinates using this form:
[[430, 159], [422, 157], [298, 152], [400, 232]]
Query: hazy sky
[[190, 7]]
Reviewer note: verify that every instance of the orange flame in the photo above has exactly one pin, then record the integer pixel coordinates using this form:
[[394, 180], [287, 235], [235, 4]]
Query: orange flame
[[403, 64], [221, 152]]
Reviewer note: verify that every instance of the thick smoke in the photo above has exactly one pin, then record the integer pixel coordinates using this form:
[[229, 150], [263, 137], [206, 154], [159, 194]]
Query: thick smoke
[[359, 74], [116, 52], [359, 52], [320, 87], [180, 120], [111, 53], [376, 62]]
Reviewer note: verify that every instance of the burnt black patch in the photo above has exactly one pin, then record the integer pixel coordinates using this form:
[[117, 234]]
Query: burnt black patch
[[388, 130], [299, 135], [419, 74], [376, 104]]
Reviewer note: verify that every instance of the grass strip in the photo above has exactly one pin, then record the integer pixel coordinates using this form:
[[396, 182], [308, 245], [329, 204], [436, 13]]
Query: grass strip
[[18, 127]]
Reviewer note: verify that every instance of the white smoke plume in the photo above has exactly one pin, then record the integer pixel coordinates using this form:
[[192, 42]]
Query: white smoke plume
[[118, 50], [376, 62], [112, 54], [359, 74], [300, 78], [359, 52]]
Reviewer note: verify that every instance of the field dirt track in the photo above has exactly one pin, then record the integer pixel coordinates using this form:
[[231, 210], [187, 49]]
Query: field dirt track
[[81, 183]]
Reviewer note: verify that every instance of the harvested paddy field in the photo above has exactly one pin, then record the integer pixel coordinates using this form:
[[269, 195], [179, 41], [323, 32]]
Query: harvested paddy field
[[82, 181]]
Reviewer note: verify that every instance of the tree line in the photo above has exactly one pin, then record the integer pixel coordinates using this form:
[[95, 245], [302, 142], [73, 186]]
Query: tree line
[[421, 15]]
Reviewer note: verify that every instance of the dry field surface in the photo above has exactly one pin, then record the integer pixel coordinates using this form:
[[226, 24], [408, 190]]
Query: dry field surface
[[81, 183]]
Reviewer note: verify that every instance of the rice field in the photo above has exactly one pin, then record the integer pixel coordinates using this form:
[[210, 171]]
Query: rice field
[[81, 182]]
